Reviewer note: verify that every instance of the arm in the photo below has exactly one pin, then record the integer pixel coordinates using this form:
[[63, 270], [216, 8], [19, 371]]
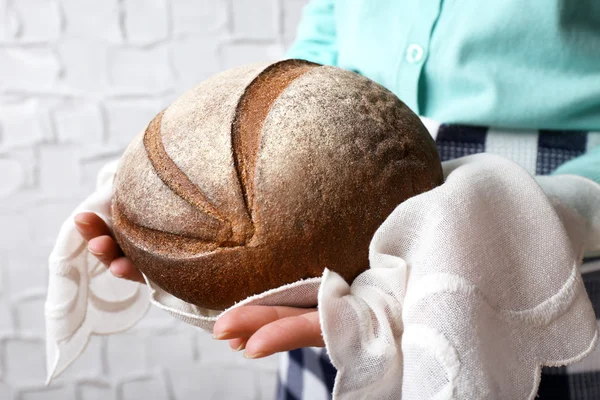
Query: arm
[[587, 165], [316, 35]]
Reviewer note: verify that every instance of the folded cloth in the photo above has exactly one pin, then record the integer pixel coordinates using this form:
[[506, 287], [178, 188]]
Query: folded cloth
[[471, 288], [83, 297]]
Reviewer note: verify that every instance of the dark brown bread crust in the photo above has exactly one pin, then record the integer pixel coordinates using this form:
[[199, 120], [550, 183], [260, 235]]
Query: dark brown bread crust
[[322, 156], [250, 116], [217, 228]]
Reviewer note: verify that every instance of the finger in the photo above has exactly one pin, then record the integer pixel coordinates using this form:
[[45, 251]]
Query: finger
[[123, 267], [245, 321], [105, 249], [238, 344], [286, 334], [90, 225]]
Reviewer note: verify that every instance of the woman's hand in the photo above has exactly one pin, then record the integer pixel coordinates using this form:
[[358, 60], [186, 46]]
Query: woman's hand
[[265, 330], [102, 245], [261, 330]]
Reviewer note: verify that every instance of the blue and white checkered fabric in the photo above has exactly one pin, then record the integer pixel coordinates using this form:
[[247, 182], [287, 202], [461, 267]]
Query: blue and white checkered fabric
[[539, 152], [307, 374]]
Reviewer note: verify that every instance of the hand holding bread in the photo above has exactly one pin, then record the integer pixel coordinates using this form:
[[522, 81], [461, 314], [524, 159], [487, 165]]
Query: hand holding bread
[[259, 177], [260, 330]]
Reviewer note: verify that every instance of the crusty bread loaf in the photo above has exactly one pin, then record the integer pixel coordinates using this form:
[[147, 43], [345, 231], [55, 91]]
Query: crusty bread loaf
[[264, 175]]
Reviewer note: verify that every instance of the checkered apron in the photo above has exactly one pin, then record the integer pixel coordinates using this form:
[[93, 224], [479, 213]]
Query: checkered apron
[[307, 374]]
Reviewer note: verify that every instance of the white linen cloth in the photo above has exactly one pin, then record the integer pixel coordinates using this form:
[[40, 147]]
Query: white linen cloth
[[471, 288], [84, 298]]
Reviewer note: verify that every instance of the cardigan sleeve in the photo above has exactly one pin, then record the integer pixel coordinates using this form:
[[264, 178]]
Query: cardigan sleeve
[[587, 165], [316, 34]]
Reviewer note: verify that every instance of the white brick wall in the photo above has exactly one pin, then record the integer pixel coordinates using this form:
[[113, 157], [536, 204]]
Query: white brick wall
[[78, 79]]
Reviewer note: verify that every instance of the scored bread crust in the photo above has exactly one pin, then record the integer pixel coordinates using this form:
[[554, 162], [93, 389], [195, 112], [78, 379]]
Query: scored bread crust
[[311, 160], [196, 134]]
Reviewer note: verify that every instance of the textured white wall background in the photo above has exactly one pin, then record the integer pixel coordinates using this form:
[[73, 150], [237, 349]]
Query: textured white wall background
[[78, 79]]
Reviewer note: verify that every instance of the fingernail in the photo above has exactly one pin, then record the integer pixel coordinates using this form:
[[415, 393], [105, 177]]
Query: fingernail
[[95, 253], [220, 336], [241, 347], [117, 275], [253, 356], [80, 222]]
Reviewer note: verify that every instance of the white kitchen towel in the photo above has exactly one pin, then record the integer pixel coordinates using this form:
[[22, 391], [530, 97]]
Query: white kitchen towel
[[84, 298], [472, 287]]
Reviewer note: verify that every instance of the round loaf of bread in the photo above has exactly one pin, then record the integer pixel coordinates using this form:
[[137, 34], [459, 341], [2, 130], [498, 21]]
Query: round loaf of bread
[[264, 175]]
